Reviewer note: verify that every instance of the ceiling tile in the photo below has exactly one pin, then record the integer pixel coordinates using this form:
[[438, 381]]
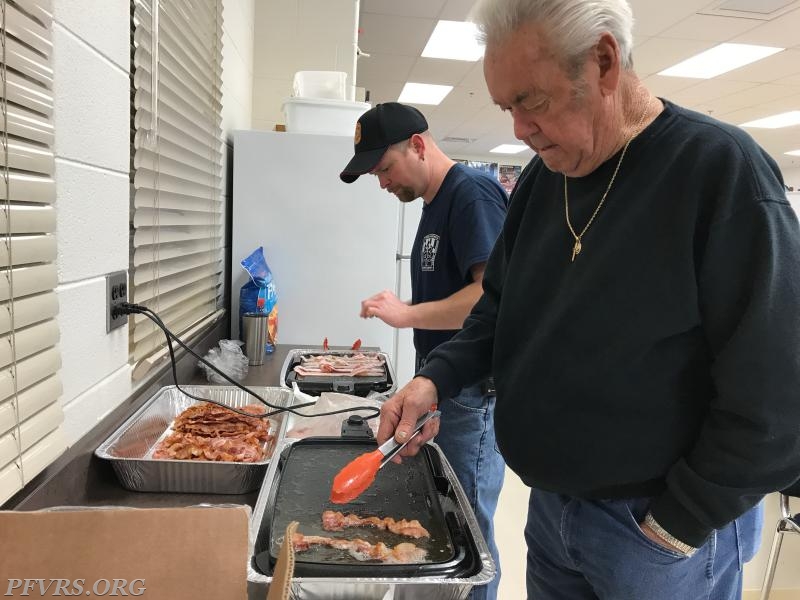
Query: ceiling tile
[[780, 65], [666, 87], [406, 8], [387, 91], [708, 90], [441, 71], [710, 28], [651, 18], [383, 67], [783, 32], [658, 53], [456, 10], [383, 34]]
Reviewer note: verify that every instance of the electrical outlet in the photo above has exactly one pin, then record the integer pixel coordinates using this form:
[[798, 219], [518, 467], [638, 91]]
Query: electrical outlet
[[116, 293]]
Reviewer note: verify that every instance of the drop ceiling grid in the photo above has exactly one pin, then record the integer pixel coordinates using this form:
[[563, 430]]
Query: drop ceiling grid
[[665, 33]]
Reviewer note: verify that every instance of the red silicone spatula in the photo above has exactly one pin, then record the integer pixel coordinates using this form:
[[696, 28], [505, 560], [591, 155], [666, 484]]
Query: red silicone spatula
[[357, 475]]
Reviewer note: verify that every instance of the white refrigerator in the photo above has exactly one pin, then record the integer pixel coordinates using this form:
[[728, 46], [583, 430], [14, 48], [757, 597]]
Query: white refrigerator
[[328, 244]]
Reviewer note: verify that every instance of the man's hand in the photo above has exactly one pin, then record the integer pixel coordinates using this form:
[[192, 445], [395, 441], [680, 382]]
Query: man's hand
[[399, 415], [388, 308]]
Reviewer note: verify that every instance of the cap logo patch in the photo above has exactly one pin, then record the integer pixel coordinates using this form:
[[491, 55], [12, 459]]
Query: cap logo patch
[[357, 136]]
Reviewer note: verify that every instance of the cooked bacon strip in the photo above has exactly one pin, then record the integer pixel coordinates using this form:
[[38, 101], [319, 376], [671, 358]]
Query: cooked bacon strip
[[336, 521], [404, 553], [210, 432]]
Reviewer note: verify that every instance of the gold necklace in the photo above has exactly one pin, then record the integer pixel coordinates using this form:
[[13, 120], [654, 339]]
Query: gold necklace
[[576, 249]]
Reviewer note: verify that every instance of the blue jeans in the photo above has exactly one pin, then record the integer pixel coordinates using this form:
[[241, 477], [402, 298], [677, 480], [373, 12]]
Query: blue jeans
[[466, 436], [589, 549]]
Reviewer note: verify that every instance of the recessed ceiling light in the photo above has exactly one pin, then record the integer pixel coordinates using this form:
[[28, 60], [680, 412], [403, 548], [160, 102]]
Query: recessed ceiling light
[[786, 119], [794, 153], [456, 40], [509, 148], [424, 93], [719, 59]]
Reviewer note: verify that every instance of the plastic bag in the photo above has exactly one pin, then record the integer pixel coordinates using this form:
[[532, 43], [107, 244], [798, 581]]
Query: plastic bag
[[259, 296], [229, 359], [331, 425]]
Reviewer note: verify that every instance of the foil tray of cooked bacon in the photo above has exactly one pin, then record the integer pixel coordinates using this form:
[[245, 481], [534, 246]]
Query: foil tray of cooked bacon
[[208, 431], [176, 443]]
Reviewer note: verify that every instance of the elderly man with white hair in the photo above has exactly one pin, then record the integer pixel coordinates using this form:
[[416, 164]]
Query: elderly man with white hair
[[640, 317]]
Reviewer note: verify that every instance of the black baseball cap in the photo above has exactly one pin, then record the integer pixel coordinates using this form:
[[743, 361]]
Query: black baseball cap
[[376, 130]]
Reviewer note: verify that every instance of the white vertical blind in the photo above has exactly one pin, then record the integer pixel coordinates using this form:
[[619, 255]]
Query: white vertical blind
[[30, 414], [177, 221]]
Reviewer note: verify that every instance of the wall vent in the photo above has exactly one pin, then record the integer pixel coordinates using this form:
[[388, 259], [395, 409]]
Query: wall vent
[[762, 10], [458, 140]]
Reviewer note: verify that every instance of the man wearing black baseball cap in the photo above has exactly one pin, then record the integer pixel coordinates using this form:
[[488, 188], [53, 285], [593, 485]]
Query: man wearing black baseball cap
[[376, 130], [462, 215]]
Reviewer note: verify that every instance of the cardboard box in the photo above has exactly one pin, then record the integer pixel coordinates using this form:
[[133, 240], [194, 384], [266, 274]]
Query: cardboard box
[[196, 553]]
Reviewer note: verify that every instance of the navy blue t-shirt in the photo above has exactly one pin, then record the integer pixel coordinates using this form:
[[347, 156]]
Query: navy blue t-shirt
[[457, 230]]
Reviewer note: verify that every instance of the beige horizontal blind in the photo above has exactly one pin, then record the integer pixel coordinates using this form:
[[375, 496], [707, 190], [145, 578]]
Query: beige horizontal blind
[[177, 222], [30, 413]]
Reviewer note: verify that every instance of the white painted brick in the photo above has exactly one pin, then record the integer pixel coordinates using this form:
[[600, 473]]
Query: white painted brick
[[103, 24], [92, 104], [82, 413], [88, 353], [268, 98], [239, 27], [93, 209]]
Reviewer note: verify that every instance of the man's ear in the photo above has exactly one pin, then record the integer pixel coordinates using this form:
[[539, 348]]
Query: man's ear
[[609, 62], [417, 144]]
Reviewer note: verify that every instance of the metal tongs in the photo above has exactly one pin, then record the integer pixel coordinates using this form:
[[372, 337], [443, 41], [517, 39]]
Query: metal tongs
[[391, 446], [358, 474]]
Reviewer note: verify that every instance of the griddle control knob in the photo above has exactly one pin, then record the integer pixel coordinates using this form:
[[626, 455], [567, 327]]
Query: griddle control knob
[[356, 427]]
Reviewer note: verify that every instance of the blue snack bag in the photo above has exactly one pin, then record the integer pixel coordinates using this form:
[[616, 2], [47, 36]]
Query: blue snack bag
[[259, 296]]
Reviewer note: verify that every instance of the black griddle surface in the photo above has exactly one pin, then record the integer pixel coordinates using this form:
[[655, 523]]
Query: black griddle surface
[[412, 490]]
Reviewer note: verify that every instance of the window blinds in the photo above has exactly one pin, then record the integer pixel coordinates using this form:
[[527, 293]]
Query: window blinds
[[177, 228], [30, 414]]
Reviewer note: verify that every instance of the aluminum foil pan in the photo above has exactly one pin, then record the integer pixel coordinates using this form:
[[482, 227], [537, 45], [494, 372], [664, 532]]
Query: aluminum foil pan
[[379, 588], [293, 355], [129, 449]]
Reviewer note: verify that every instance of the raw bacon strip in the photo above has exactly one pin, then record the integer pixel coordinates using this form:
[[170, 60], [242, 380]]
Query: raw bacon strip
[[337, 521], [354, 365], [404, 553]]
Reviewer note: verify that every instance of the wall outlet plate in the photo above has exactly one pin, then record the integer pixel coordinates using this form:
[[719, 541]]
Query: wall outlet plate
[[116, 293]]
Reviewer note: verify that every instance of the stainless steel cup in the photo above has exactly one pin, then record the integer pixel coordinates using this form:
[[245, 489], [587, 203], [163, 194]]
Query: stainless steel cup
[[254, 334]]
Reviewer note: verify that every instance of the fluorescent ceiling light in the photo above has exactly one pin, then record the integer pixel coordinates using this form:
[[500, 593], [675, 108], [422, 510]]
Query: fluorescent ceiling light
[[456, 40], [424, 93], [719, 59], [786, 119], [794, 153], [508, 148]]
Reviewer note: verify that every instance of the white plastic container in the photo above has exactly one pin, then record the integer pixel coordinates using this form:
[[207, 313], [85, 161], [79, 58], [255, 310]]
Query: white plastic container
[[329, 117], [330, 85]]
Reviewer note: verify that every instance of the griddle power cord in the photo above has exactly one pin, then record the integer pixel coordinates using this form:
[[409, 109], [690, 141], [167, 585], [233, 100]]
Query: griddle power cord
[[129, 308]]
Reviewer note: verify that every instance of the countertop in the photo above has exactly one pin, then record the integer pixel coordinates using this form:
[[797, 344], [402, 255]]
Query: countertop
[[78, 478]]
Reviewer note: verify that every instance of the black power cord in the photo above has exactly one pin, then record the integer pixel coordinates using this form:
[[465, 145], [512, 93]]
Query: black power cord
[[125, 308]]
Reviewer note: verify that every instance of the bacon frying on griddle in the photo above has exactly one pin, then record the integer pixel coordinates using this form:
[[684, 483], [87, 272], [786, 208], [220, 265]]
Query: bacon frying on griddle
[[404, 553], [210, 432], [360, 364], [337, 521]]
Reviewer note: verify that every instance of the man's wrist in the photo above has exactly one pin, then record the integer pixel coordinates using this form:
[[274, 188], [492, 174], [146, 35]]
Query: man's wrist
[[667, 537]]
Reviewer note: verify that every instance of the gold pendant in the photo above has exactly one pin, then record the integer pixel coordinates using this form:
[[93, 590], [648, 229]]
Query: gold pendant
[[576, 249]]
